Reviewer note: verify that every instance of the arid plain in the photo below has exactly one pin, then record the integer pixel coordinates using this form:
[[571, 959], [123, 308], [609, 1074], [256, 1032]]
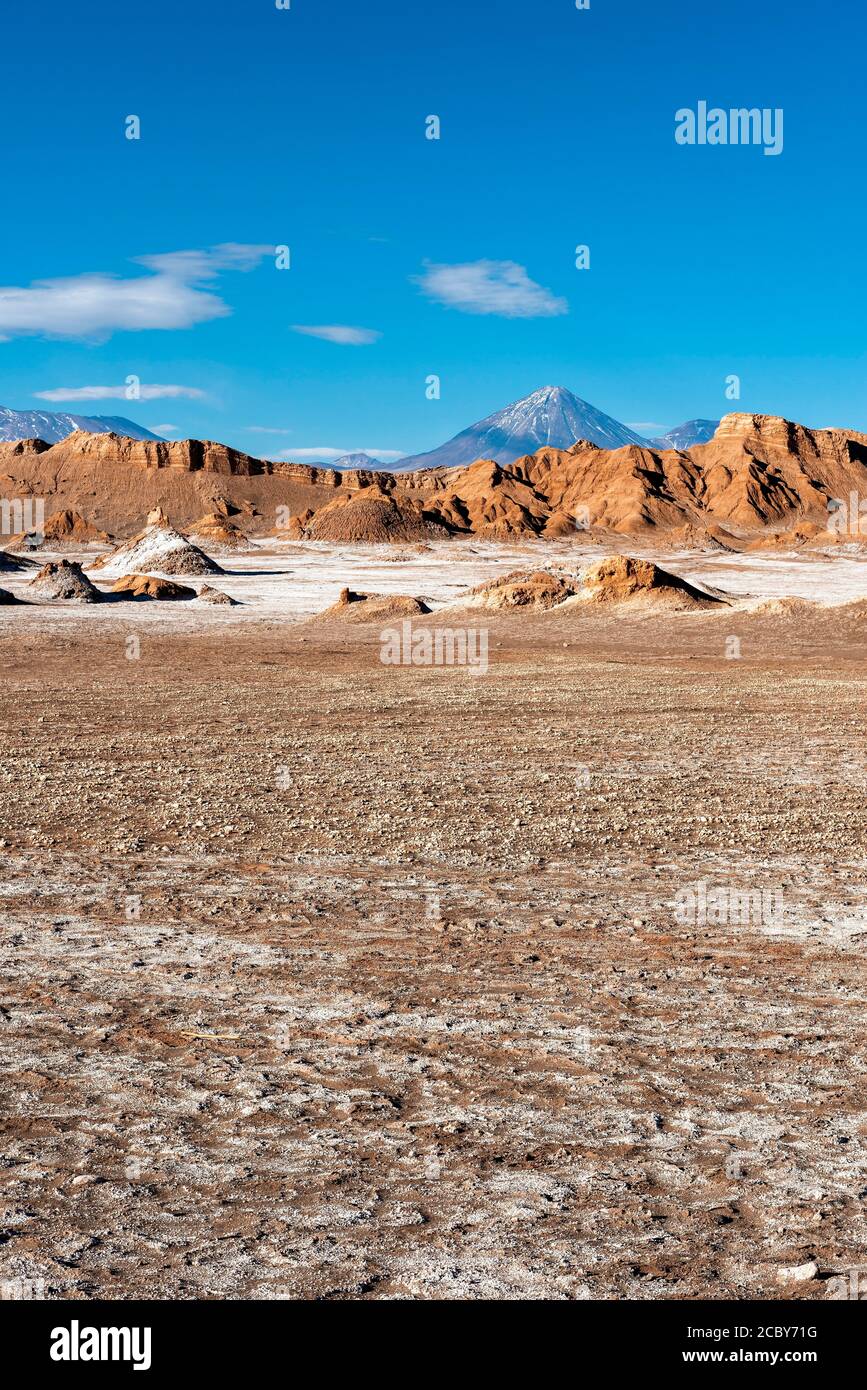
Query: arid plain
[[330, 978], [326, 978]]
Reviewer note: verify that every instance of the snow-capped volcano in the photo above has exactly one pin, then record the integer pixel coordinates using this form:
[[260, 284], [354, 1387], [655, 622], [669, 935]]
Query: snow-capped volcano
[[52, 426], [550, 416], [686, 435]]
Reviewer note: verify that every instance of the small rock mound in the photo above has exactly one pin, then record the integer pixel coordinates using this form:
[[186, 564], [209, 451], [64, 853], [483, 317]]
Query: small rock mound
[[788, 607], [218, 530], [216, 596], [854, 611], [372, 608], [535, 589], [695, 537], [7, 598], [150, 586], [65, 580], [621, 579], [371, 516], [158, 547]]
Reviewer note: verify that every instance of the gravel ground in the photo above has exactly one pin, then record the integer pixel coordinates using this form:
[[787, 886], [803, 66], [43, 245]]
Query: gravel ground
[[327, 979]]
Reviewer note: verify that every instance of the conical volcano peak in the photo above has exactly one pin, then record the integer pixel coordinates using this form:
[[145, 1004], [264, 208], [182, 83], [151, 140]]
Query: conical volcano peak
[[550, 417]]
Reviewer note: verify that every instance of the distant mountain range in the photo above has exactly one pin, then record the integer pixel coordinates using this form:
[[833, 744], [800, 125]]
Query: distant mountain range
[[52, 426], [551, 417]]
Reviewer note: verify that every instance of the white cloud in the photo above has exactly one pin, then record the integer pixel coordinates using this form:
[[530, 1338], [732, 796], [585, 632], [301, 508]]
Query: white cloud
[[489, 287], [164, 429], [120, 393], [206, 265], [265, 429], [95, 305], [324, 452], [338, 333]]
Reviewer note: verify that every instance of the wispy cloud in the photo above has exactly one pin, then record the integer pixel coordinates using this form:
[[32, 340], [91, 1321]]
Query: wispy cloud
[[206, 265], [327, 452], [338, 333], [265, 429], [489, 287], [645, 426], [120, 393], [96, 304], [164, 429]]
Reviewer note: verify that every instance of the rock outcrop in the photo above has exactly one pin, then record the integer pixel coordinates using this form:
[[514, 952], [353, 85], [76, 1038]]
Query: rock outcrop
[[372, 608], [66, 581], [622, 580], [532, 589], [158, 547], [370, 516], [218, 530], [217, 597], [151, 586]]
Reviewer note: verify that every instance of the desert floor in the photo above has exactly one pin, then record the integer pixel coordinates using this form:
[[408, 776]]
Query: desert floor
[[327, 979]]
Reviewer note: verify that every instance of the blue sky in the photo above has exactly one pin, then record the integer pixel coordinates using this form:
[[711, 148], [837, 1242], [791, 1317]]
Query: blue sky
[[262, 127]]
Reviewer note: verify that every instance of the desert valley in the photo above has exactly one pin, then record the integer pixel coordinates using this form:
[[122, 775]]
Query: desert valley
[[338, 976]]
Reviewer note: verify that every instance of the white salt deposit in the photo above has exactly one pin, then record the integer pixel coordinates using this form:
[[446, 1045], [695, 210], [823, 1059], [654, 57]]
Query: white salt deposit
[[290, 581]]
